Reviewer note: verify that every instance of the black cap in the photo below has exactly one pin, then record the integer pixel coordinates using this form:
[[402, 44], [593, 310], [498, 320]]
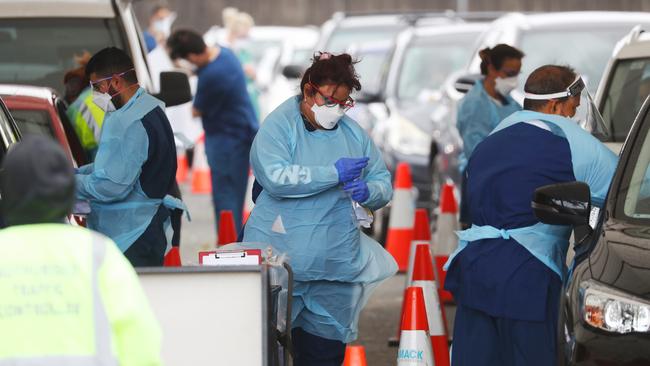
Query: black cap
[[37, 182]]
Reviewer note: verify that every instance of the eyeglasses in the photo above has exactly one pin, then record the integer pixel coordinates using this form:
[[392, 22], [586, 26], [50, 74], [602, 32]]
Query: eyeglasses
[[332, 102], [94, 84]]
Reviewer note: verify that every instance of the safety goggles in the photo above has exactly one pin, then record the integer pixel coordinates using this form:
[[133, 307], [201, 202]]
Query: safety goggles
[[333, 102], [574, 89], [94, 84]]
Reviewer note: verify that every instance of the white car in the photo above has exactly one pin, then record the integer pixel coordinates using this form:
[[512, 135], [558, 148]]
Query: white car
[[625, 85], [583, 40], [40, 41]]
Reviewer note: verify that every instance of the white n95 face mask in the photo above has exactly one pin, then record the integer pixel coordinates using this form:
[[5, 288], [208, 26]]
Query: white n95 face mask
[[103, 101], [505, 85], [326, 116]]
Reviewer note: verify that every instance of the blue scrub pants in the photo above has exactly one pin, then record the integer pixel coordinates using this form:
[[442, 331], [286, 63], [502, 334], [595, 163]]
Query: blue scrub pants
[[481, 339], [149, 249], [312, 350], [229, 161]]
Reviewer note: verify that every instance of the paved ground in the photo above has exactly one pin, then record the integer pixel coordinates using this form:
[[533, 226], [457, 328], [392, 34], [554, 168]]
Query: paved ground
[[380, 318]]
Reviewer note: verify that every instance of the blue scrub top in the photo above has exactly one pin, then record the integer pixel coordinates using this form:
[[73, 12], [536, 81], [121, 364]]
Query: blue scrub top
[[223, 100], [478, 115]]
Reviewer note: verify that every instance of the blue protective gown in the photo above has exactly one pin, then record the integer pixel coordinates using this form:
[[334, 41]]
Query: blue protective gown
[[478, 115], [304, 212], [132, 173], [506, 275]]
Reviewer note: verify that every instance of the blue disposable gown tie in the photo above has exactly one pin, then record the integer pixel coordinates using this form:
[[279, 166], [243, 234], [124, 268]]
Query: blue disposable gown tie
[[304, 212], [120, 209], [593, 163], [478, 115]]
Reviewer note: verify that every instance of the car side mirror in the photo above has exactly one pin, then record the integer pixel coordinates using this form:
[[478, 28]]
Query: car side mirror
[[292, 71], [174, 88], [465, 82], [563, 204]]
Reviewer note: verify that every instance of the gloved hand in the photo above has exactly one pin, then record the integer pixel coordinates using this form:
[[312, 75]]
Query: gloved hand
[[350, 169], [358, 190]]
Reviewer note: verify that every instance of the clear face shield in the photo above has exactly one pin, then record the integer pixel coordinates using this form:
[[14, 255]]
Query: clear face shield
[[586, 113]]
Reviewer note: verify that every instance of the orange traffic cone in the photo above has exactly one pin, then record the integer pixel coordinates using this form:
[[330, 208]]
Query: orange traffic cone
[[423, 278], [415, 343], [227, 233], [355, 356], [182, 168], [201, 178], [446, 240], [402, 212], [248, 201], [421, 235], [173, 258]]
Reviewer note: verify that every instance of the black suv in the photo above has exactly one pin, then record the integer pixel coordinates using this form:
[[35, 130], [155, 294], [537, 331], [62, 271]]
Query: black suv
[[605, 310]]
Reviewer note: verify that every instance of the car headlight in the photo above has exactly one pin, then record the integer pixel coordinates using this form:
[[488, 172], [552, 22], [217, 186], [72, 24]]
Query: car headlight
[[613, 311], [407, 138]]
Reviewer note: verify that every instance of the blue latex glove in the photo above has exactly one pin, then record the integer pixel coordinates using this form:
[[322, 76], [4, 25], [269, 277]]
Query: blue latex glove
[[350, 169], [358, 190]]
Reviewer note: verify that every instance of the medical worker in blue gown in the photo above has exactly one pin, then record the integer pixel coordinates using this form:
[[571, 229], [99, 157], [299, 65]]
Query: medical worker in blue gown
[[488, 102], [507, 273], [315, 165], [135, 165]]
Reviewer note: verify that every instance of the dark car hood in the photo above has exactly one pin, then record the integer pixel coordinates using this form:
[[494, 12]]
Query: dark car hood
[[622, 260]]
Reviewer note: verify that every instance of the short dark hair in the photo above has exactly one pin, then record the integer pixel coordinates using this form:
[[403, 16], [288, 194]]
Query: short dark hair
[[334, 69], [183, 42], [547, 79], [111, 61], [496, 56]]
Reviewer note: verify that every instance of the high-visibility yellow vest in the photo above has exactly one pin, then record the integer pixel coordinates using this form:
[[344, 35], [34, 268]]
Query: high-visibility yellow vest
[[69, 297], [87, 119]]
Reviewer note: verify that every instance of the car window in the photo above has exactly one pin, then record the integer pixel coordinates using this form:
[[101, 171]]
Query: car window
[[587, 50], [371, 69], [429, 60], [41, 51], [342, 38], [33, 122], [633, 196], [256, 48], [628, 88]]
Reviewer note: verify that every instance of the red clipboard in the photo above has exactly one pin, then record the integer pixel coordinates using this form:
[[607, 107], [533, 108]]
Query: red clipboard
[[231, 257]]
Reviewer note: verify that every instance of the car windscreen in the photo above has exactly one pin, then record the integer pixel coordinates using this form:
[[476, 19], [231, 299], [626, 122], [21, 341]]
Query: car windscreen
[[428, 61], [587, 49], [628, 88], [342, 38], [33, 122], [40, 51], [371, 68]]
